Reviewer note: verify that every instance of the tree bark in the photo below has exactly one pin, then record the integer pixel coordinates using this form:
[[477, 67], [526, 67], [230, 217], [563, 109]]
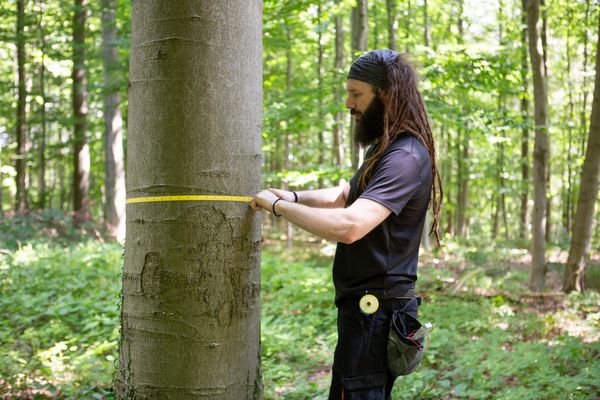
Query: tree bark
[[81, 150], [462, 181], [525, 130], [426, 38], [540, 154], [340, 64], [544, 38], [21, 128], [360, 28], [113, 132], [190, 307], [460, 21], [360, 36], [568, 185], [42, 195], [391, 20], [1, 189], [574, 278], [320, 51]]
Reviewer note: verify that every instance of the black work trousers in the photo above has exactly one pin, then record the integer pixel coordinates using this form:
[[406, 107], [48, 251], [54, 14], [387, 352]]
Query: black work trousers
[[360, 369]]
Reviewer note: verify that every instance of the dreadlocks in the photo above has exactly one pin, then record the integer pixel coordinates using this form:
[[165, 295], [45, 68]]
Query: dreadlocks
[[405, 113]]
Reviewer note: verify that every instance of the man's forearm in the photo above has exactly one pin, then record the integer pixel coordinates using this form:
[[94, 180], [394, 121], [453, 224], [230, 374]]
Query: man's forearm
[[323, 198], [329, 223]]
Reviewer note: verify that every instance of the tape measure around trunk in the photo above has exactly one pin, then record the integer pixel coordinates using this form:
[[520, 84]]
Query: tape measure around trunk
[[156, 199]]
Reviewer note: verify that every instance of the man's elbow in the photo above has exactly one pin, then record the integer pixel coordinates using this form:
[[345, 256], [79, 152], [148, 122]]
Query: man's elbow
[[351, 235]]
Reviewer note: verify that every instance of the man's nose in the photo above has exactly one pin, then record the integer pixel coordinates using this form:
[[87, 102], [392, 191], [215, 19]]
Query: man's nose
[[349, 103]]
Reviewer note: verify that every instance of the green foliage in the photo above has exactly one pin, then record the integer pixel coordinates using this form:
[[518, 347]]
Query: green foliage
[[59, 325], [59, 322]]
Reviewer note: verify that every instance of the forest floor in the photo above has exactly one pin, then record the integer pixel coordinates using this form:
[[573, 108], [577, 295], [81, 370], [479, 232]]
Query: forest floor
[[492, 338]]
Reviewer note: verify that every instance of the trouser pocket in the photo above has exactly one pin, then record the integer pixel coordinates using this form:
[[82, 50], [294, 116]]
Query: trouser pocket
[[403, 353], [370, 386]]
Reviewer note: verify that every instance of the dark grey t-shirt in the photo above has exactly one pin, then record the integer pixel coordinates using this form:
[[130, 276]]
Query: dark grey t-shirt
[[384, 262]]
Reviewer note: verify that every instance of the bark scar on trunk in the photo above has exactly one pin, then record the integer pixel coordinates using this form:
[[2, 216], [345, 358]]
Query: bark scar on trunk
[[150, 276]]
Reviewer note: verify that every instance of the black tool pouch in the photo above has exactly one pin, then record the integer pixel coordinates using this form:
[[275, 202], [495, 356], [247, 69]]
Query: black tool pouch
[[403, 354]]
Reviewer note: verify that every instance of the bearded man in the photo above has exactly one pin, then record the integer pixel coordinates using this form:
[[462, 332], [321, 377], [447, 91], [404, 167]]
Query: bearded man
[[377, 219]]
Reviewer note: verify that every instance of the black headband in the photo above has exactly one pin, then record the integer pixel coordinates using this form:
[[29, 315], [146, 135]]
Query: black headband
[[372, 67]]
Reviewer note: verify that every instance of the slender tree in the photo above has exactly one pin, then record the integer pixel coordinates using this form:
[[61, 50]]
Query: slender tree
[[524, 105], [81, 150], [426, 27], [391, 20], [340, 62], [581, 238], [190, 306], [113, 133], [544, 41], [360, 36], [21, 128], [42, 194], [540, 153]]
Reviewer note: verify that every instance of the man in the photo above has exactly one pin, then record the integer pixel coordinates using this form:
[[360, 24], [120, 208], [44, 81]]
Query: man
[[377, 219]]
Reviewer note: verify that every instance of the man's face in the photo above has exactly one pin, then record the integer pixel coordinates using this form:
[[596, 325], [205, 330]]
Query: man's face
[[368, 110], [360, 95]]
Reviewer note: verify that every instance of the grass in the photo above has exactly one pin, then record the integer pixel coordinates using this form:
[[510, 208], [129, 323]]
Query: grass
[[492, 338]]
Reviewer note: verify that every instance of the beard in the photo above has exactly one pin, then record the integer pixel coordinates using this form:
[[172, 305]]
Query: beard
[[369, 124]]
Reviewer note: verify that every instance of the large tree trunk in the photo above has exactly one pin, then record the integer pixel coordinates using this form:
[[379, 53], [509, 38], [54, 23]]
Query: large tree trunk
[[114, 169], [588, 191], [81, 150], [540, 153], [21, 129], [360, 36], [524, 131], [190, 307], [391, 20]]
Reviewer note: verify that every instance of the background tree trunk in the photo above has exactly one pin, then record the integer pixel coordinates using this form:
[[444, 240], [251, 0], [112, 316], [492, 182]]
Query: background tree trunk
[[544, 38], [21, 129], [190, 310], [340, 64], [81, 150], [525, 130], [540, 154], [588, 192], [114, 169], [42, 195], [426, 29], [391, 19], [360, 36]]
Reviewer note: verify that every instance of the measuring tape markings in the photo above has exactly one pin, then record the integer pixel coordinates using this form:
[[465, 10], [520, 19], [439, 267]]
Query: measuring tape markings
[[155, 199]]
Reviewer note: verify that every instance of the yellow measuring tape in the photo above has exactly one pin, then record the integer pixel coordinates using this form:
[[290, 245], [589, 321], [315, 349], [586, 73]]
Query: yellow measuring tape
[[155, 199]]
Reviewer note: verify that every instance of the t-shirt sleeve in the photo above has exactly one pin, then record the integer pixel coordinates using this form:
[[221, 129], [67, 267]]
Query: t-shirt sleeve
[[395, 180]]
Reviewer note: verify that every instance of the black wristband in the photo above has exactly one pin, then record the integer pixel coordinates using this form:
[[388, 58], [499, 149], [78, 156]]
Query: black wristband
[[275, 202], [295, 197]]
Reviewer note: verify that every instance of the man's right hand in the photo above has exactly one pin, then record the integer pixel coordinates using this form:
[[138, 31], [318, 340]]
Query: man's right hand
[[284, 194]]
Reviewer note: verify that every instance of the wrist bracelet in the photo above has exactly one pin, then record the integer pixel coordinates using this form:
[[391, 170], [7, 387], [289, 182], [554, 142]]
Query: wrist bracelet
[[274, 213], [295, 197]]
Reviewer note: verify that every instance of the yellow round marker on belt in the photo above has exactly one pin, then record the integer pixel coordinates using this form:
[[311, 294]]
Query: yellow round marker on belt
[[368, 304]]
